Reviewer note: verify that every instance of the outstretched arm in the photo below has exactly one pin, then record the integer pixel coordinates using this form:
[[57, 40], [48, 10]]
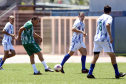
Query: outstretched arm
[[37, 36], [20, 31]]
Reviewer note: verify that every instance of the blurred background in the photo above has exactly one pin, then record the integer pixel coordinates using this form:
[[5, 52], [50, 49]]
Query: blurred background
[[57, 18]]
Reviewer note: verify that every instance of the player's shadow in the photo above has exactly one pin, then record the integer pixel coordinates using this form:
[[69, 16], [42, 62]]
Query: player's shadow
[[100, 78], [37, 75], [111, 78]]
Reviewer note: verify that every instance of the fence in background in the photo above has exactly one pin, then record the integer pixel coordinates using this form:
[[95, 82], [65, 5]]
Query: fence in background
[[56, 33], [56, 30]]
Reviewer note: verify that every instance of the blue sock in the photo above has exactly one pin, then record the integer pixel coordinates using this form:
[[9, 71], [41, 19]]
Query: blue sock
[[66, 57], [1, 58], [116, 69], [83, 60], [91, 69], [2, 62]]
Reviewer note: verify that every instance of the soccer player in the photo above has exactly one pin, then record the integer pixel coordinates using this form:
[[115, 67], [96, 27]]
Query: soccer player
[[27, 35], [77, 42], [103, 40], [6, 42]]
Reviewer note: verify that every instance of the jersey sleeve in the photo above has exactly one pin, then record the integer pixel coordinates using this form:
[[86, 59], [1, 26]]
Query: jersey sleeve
[[28, 25], [109, 21], [76, 24], [7, 26]]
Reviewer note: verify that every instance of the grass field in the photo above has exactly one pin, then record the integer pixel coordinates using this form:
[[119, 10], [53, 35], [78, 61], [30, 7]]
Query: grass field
[[120, 54], [23, 74]]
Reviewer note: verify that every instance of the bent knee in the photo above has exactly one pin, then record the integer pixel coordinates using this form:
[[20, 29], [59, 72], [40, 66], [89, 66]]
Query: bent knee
[[13, 53], [84, 53]]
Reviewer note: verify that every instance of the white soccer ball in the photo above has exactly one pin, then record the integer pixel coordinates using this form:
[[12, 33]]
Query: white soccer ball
[[57, 67]]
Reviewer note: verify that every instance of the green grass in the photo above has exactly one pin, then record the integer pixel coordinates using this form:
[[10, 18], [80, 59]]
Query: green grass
[[23, 74], [120, 54]]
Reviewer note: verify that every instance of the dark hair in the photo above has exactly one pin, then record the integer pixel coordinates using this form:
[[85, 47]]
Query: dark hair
[[79, 13], [34, 18], [107, 9]]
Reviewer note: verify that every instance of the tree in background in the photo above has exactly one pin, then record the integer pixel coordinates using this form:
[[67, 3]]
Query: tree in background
[[74, 2], [51, 1], [81, 2]]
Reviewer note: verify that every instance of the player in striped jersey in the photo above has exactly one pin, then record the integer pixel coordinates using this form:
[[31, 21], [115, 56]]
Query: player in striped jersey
[[6, 42], [77, 42], [103, 40]]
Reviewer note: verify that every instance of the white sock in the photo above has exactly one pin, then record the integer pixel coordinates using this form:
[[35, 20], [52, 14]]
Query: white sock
[[34, 68], [45, 65]]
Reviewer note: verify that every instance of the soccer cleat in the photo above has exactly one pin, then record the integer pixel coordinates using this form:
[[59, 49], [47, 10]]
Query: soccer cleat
[[62, 71], [1, 68], [49, 69], [90, 76], [85, 70], [120, 75], [38, 73]]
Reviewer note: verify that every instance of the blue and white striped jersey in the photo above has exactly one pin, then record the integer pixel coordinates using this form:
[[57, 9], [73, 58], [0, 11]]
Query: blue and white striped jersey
[[101, 31], [78, 37], [9, 29]]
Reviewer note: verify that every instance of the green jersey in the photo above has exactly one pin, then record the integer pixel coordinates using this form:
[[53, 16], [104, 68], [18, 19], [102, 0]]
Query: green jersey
[[27, 34]]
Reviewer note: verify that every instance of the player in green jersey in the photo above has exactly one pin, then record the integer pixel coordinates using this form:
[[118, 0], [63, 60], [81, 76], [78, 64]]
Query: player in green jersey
[[27, 35]]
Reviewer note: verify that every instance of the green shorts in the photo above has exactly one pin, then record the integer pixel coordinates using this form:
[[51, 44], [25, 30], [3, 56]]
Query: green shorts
[[32, 48]]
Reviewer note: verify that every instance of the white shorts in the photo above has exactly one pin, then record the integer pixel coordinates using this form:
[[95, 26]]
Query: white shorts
[[76, 46], [8, 47], [106, 46]]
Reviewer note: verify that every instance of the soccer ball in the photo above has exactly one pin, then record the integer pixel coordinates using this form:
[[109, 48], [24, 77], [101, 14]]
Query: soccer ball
[[57, 67]]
